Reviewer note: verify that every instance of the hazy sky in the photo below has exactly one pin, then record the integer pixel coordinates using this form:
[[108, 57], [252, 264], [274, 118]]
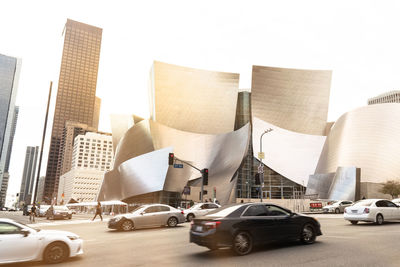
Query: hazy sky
[[357, 40]]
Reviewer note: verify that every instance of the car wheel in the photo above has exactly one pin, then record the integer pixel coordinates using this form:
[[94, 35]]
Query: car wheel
[[190, 217], [55, 253], [172, 222], [354, 222], [379, 219], [242, 243], [308, 234], [127, 225], [69, 217], [337, 211]]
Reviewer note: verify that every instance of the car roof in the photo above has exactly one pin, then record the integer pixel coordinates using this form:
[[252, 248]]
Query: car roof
[[7, 220]]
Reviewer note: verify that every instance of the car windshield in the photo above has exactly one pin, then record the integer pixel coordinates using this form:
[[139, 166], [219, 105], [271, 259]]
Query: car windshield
[[332, 202], [363, 203], [224, 211]]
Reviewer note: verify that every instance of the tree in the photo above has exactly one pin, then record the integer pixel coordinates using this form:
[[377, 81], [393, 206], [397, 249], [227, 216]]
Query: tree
[[392, 188]]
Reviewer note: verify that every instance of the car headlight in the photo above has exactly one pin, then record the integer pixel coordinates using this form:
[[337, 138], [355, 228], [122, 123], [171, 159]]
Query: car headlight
[[116, 219], [73, 237]]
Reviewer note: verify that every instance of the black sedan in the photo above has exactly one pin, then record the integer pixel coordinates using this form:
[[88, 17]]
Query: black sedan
[[242, 226]]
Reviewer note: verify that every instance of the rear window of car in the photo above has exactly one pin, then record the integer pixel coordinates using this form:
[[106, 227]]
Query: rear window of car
[[363, 203], [224, 211]]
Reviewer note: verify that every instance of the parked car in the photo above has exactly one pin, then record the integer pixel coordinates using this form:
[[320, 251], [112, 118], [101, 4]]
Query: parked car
[[243, 226], [372, 210], [42, 210], [337, 206], [58, 212], [199, 209], [19, 243], [152, 215]]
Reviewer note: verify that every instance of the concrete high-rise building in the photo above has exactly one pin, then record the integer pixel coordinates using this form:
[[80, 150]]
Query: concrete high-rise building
[[92, 157], [28, 176], [71, 130], [389, 97], [76, 97], [9, 74]]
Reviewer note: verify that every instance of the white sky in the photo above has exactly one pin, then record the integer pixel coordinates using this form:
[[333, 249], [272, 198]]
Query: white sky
[[358, 40]]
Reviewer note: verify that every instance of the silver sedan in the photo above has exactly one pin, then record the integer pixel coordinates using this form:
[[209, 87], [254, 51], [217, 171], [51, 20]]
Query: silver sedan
[[153, 215]]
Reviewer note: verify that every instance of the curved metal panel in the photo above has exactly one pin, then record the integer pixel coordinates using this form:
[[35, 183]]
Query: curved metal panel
[[292, 99], [293, 155], [147, 144], [368, 139], [193, 100], [120, 123]]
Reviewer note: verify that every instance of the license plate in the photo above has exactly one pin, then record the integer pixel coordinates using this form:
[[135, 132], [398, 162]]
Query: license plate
[[198, 228], [354, 211]]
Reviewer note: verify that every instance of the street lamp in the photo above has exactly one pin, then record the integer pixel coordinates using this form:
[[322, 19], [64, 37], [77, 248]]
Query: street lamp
[[261, 168]]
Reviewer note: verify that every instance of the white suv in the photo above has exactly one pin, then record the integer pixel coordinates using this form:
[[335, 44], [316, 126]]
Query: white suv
[[199, 209]]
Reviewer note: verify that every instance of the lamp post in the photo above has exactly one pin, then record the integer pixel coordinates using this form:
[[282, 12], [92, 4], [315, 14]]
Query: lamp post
[[261, 168]]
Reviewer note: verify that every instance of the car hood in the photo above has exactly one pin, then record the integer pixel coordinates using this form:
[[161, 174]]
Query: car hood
[[55, 232]]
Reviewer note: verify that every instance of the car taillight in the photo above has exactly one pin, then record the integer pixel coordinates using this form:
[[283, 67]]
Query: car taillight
[[366, 210], [182, 212], [212, 225]]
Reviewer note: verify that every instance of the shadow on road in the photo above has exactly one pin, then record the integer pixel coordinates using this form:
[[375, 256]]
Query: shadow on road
[[371, 224], [147, 229], [228, 253], [70, 262]]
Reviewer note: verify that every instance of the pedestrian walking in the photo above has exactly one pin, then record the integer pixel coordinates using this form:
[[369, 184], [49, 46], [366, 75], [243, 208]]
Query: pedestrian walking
[[98, 211], [32, 215]]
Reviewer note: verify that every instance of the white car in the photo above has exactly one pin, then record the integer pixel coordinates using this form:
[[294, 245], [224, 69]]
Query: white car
[[337, 206], [199, 209], [372, 210], [19, 243]]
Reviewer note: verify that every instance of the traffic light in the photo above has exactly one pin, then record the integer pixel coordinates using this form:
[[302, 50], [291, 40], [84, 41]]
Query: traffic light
[[204, 173], [257, 177], [171, 159]]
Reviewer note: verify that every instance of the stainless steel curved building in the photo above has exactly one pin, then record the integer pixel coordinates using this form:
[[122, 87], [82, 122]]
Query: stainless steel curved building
[[368, 139], [141, 160], [193, 100], [293, 99], [292, 155]]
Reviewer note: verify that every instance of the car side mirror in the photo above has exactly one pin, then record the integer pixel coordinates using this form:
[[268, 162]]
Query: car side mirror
[[25, 232]]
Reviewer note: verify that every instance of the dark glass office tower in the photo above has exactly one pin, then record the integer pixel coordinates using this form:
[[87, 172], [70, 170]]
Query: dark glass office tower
[[76, 97]]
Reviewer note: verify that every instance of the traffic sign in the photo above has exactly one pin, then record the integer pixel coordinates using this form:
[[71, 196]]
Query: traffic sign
[[260, 168], [180, 166], [186, 190], [261, 155]]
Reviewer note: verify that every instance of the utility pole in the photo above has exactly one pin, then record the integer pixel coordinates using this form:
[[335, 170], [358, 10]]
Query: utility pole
[[41, 148]]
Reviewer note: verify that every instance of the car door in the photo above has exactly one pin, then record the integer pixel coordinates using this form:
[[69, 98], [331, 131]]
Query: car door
[[211, 207], [203, 210], [394, 210], [147, 218], [284, 226], [256, 221], [163, 215], [15, 246], [384, 209]]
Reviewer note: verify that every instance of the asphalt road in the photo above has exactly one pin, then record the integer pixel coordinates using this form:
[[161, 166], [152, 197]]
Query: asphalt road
[[342, 244]]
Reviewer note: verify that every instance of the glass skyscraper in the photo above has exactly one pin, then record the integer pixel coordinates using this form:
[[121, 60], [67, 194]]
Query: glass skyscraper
[[9, 74], [76, 97]]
